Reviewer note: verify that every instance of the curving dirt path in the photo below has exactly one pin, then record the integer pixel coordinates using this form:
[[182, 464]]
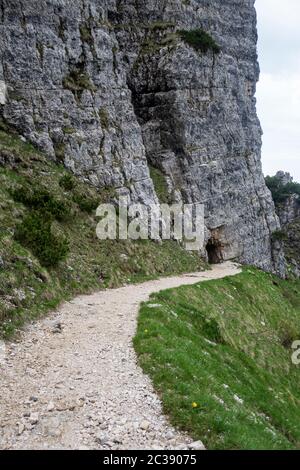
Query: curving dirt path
[[72, 381]]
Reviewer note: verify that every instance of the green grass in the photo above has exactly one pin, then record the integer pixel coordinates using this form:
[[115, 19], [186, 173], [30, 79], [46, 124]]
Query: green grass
[[160, 185], [28, 289], [40, 199], [225, 346]]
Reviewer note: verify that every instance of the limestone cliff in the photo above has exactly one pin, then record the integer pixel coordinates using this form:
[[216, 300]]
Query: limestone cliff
[[286, 194], [288, 208], [109, 87]]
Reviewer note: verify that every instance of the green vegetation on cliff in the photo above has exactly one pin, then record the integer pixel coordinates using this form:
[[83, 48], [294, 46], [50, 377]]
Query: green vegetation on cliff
[[219, 354], [281, 192], [160, 185], [48, 245], [200, 40], [287, 200]]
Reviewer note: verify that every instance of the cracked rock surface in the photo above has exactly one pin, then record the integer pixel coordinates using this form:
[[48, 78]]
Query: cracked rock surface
[[108, 88]]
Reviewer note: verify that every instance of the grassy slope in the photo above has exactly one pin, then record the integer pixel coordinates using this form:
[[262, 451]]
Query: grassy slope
[[27, 290], [225, 346]]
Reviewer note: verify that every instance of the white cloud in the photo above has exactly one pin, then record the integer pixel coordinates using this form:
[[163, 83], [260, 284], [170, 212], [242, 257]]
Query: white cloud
[[279, 88], [280, 18], [279, 111]]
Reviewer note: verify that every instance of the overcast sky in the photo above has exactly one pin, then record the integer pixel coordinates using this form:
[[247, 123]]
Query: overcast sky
[[278, 92]]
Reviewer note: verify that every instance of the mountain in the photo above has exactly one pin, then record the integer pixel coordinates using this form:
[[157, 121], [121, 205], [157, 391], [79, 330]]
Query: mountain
[[118, 90]]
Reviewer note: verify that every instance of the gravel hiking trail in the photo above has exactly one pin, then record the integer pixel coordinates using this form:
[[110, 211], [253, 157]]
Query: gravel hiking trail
[[71, 380]]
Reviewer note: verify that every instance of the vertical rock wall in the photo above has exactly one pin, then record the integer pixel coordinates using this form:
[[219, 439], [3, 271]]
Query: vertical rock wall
[[67, 90], [109, 88]]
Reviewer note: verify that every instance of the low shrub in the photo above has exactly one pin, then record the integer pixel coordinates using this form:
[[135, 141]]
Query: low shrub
[[104, 118], [40, 199], [281, 192], [200, 40], [86, 33], [77, 81], [35, 233], [287, 335], [85, 203], [160, 185], [279, 235], [60, 150], [67, 182]]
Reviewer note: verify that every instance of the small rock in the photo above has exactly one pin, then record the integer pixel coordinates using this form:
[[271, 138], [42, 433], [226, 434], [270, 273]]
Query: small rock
[[198, 445], [67, 405], [50, 406], [102, 439], [117, 440], [238, 400], [51, 427], [103, 426], [34, 399], [34, 418], [181, 447], [20, 294], [169, 435], [57, 327], [28, 426], [1, 263], [21, 428], [145, 425]]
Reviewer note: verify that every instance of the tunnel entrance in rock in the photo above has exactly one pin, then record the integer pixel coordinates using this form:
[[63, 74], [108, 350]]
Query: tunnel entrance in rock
[[214, 251]]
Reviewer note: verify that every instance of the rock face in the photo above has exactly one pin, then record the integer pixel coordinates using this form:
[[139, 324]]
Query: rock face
[[284, 177], [67, 90], [289, 210], [108, 88], [292, 246]]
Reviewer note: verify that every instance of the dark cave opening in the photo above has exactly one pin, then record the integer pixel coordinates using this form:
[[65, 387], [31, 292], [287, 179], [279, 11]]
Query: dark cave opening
[[214, 252]]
